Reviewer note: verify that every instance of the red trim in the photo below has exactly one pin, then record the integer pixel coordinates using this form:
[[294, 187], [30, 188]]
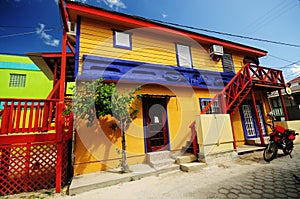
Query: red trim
[[173, 30], [55, 55], [13, 139], [63, 14], [261, 135]]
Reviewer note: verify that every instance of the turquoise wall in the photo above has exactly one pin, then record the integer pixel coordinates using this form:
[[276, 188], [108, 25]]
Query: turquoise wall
[[37, 84]]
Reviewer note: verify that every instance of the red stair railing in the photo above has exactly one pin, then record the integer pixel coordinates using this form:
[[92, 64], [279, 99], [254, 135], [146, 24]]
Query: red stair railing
[[239, 87]]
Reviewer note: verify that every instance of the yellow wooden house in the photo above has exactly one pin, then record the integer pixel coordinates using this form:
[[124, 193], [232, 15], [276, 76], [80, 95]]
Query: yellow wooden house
[[181, 74]]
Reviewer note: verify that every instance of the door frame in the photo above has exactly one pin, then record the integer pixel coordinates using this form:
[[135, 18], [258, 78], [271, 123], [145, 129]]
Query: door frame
[[167, 133], [249, 102]]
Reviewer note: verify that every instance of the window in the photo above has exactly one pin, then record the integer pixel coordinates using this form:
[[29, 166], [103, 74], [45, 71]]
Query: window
[[122, 40], [214, 108], [184, 57], [227, 63], [17, 80]]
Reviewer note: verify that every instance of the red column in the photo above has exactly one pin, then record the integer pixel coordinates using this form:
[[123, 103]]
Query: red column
[[283, 105], [60, 118], [233, 135], [261, 136]]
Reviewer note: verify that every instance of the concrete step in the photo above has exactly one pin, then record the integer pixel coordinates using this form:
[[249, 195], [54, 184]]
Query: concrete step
[[185, 158], [160, 159], [256, 141], [193, 166], [158, 155], [161, 164]]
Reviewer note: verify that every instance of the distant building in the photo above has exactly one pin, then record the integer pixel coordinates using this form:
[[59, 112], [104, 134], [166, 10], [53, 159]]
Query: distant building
[[21, 78], [292, 101]]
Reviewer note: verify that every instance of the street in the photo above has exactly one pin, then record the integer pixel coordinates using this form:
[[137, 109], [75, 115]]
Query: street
[[248, 177]]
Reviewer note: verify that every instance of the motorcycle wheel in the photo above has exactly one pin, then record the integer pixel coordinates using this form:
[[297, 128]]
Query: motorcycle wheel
[[289, 148], [270, 151]]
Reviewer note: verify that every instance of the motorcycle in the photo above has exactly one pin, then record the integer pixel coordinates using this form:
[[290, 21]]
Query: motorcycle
[[280, 138]]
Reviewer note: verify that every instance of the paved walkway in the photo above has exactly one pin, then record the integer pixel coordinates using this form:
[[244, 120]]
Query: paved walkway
[[248, 177]]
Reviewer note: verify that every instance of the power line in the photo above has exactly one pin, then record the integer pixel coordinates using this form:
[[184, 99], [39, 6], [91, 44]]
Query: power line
[[21, 27], [227, 34], [25, 33]]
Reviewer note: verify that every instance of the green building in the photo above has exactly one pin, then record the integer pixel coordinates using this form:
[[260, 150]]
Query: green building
[[21, 78]]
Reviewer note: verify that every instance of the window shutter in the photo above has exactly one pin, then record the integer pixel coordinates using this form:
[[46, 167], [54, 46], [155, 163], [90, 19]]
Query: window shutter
[[184, 56], [228, 63]]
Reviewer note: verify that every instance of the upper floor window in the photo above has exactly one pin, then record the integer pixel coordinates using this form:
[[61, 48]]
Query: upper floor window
[[17, 80], [227, 63], [184, 56], [213, 109], [122, 39]]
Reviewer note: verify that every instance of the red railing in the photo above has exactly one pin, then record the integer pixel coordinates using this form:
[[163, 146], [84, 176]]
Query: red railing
[[233, 94], [241, 84], [32, 151], [26, 115]]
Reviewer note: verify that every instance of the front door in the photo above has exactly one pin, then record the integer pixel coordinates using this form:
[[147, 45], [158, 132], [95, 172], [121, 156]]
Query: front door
[[155, 124], [249, 122]]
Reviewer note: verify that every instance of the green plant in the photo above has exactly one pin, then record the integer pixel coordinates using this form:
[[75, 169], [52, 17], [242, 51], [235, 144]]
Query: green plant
[[100, 99]]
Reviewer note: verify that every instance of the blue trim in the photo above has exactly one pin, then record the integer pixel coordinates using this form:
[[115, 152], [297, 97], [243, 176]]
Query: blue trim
[[145, 128], [232, 63], [120, 46], [77, 46], [201, 99], [94, 67], [18, 66], [249, 102], [177, 56], [167, 125]]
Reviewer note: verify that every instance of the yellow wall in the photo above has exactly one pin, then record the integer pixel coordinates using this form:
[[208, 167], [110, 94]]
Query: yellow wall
[[98, 147], [148, 45]]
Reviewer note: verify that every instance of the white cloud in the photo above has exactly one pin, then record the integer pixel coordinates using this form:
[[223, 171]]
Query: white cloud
[[164, 15], [113, 4], [295, 68], [46, 38]]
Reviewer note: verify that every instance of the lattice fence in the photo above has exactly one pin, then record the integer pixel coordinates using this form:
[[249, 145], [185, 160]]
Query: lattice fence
[[30, 167]]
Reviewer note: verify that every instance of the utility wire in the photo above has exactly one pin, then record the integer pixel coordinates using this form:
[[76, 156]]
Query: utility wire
[[228, 34], [26, 33]]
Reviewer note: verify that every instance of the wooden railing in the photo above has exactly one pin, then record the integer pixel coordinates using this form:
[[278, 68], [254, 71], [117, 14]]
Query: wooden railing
[[27, 115], [241, 84]]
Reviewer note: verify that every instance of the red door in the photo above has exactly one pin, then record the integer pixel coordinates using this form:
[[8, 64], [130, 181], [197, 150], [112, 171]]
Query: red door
[[155, 123]]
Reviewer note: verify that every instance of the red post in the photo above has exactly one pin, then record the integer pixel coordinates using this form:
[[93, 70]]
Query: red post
[[194, 137], [59, 116], [261, 136], [283, 105], [233, 135]]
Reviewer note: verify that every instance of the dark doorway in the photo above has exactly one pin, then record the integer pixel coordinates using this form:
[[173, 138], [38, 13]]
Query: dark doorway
[[155, 123]]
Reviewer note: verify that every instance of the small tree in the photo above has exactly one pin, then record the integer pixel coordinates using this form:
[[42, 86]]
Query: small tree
[[107, 100]]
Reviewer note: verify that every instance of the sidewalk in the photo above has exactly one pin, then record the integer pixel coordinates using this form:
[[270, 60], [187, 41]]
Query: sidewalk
[[96, 180]]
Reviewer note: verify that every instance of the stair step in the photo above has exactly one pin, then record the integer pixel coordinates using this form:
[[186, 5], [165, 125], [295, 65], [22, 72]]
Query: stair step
[[187, 158], [194, 166], [158, 155], [162, 163], [256, 141]]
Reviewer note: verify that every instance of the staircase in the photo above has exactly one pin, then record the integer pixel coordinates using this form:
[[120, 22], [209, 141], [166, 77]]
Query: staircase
[[242, 83], [234, 93], [160, 159]]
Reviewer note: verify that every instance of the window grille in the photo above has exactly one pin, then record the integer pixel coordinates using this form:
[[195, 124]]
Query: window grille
[[17, 80], [213, 109]]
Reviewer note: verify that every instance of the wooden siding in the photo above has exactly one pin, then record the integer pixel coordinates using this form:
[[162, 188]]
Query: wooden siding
[[150, 46]]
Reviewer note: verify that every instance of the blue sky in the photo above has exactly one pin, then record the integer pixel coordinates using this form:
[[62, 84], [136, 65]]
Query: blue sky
[[35, 25]]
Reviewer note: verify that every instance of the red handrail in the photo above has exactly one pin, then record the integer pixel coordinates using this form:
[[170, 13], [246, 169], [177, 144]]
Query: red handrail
[[27, 115]]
